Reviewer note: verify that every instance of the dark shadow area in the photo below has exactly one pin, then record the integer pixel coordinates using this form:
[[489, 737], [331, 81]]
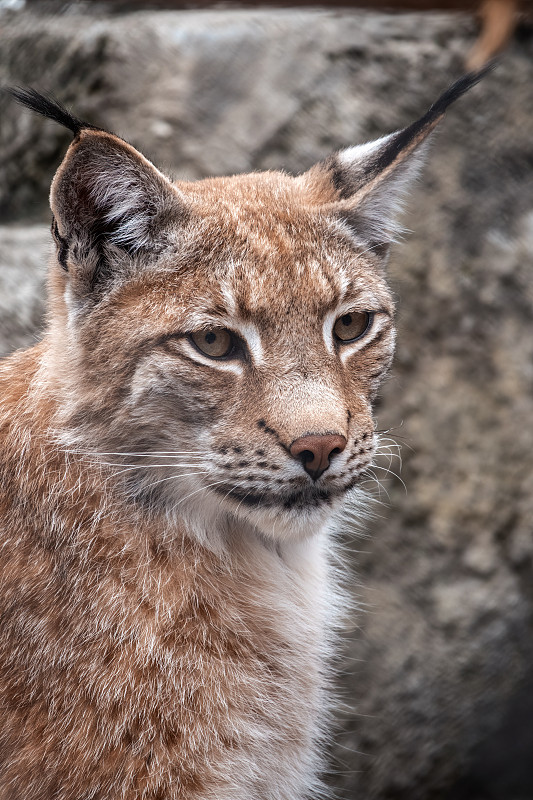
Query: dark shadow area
[[502, 765]]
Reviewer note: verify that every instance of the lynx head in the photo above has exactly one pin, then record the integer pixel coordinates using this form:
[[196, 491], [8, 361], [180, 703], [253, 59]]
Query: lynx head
[[219, 343]]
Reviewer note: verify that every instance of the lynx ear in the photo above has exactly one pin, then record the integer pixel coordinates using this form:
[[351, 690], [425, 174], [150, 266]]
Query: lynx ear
[[107, 196], [368, 183], [110, 204]]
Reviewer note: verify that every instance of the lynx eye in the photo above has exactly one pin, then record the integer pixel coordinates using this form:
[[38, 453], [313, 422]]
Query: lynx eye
[[213, 342], [352, 326]]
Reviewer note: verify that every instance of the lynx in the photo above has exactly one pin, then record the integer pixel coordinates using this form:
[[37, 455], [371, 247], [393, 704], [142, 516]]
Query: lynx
[[173, 455]]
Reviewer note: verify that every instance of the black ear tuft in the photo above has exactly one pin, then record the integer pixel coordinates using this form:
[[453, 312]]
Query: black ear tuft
[[457, 90], [49, 107], [419, 130]]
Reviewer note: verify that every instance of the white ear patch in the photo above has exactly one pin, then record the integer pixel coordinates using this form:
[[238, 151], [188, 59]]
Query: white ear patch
[[359, 154], [377, 196]]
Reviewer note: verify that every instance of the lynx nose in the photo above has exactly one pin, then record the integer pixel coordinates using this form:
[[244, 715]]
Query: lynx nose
[[315, 452]]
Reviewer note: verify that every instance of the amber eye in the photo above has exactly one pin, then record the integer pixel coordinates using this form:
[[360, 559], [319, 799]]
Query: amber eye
[[352, 326], [213, 342]]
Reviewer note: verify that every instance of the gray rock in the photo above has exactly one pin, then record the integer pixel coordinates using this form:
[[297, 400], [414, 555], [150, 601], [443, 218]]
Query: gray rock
[[24, 254], [439, 667], [215, 92]]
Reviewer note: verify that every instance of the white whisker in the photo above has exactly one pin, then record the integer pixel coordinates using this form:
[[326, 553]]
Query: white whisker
[[201, 489], [391, 472], [130, 468], [244, 498], [381, 488], [235, 486], [160, 453], [174, 477], [125, 467]]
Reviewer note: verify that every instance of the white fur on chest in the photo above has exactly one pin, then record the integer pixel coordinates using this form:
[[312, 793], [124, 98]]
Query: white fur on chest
[[297, 592]]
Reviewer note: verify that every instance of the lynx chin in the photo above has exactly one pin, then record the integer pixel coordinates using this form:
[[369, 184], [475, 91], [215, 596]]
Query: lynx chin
[[172, 457]]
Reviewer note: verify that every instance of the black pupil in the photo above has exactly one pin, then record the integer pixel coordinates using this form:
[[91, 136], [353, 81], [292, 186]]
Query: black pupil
[[346, 320], [210, 338]]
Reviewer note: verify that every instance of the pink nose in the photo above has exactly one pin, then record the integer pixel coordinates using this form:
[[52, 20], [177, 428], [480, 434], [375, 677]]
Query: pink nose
[[315, 451]]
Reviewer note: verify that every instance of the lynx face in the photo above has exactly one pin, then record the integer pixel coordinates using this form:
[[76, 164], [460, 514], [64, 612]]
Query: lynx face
[[275, 325], [217, 345]]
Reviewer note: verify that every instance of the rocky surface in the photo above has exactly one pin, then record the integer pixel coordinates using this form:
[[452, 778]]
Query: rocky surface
[[439, 667], [24, 251]]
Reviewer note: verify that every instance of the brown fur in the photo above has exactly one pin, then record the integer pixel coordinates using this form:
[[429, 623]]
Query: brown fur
[[167, 597]]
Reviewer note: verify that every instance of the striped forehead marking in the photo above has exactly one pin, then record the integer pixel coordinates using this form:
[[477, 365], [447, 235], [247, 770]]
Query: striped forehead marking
[[228, 298]]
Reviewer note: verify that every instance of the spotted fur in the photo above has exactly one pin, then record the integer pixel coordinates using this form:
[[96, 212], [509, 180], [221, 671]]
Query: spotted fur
[[167, 594]]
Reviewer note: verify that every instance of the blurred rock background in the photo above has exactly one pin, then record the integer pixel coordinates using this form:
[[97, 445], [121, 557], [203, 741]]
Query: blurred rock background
[[438, 673]]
